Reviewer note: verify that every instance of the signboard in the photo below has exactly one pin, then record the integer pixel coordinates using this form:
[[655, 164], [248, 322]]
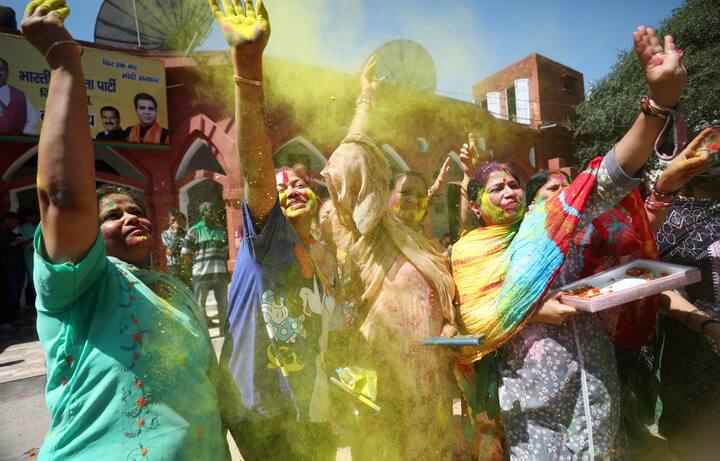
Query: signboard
[[125, 94]]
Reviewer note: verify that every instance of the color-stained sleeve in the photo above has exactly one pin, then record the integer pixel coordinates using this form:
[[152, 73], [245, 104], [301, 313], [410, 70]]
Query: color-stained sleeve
[[613, 184], [59, 285]]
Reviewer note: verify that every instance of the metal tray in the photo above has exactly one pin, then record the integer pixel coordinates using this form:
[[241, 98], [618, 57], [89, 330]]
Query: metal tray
[[627, 288]]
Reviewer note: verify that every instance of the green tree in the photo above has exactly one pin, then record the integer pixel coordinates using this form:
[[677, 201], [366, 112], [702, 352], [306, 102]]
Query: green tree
[[613, 104]]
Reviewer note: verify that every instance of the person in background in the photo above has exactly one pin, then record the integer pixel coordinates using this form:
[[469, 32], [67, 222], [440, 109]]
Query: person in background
[[543, 184], [446, 241], [110, 117], [147, 130], [206, 248], [12, 270], [131, 371], [172, 239], [31, 219], [685, 206], [411, 196], [17, 114]]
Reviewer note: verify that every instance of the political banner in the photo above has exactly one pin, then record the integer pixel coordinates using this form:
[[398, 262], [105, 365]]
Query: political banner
[[125, 93]]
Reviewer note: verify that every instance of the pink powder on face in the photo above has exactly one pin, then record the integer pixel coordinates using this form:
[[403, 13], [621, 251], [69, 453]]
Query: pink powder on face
[[281, 177]]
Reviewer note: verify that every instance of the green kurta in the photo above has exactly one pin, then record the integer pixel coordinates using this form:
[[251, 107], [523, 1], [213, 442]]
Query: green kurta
[[129, 363]]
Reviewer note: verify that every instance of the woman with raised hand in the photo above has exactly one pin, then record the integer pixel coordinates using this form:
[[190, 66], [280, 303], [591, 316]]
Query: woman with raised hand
[[403, 293], [559, 394], [129, 362], [282, 304]]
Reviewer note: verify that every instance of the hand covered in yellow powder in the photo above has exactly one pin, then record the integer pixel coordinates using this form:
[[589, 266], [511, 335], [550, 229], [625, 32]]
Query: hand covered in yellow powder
[[439, 184], [368, 82], [692, 161], [43, 24], [248, 31]]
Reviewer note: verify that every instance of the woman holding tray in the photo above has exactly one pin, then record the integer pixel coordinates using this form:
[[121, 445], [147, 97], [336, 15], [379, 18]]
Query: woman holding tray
[[130, 367], [559, 394]]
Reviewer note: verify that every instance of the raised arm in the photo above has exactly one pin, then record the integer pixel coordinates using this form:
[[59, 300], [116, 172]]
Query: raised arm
[[438, 186], [666, 77], [368, 84], [247, 32], [66, 164], [692, 161], [470, 158]]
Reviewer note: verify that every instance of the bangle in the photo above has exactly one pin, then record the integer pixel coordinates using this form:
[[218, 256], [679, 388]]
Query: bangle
[[652, 205], [651, 108], [247, 81], [63, 42], [705, 323], [662, 194], [366, 99]]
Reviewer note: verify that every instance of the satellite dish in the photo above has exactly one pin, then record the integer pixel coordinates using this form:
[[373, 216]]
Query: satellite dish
[[154, 25], [406, 64]]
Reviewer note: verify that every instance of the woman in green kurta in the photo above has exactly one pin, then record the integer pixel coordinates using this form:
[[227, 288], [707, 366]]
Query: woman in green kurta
[[130, 366]]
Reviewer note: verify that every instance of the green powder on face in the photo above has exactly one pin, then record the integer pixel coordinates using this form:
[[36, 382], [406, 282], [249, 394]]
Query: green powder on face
[[491, 214]]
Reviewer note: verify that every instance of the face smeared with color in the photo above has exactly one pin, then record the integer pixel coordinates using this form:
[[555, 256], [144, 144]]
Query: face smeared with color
[[126, 231], [502, 199], [554, 184], [409, 201], [297, 200]]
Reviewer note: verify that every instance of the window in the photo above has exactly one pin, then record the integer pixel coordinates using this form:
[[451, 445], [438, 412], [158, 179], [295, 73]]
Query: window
[[511, 103], [569, 84]]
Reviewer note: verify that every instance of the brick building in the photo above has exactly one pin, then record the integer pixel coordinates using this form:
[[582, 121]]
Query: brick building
[[538, 92]]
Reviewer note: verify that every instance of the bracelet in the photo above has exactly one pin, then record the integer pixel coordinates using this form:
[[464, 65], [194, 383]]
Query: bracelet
[[705, 323], [63, 42], [651, 108], [662, 194], [656, 206], [365, 99], [247, 81]]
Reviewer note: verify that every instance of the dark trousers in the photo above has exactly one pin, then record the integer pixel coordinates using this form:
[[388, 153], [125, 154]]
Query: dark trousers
[[12, 280]]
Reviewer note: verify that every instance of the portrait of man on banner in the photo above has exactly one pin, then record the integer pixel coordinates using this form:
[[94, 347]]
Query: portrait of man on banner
[[110, 117], [17, 114], [147, 130]]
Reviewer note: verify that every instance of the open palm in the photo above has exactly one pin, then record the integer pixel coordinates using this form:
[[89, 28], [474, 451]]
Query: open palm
[[250, 28], [664, 72]]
